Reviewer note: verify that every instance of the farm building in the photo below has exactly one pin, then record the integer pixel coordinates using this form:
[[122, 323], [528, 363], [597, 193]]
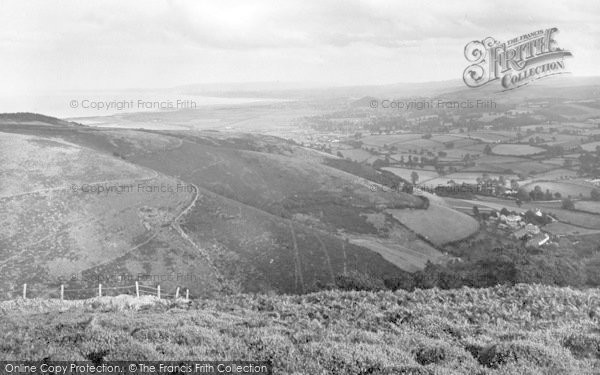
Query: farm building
[[538, 240], [528, 231], [513, 221]]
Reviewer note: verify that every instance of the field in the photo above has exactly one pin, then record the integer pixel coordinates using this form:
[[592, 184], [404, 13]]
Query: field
[[543, 330], [358, 154], [529, 167], [406, 173], [559, 228], [443, 138], [590, 146], [581, 219], [497, 136], [438, 224], [402, 248], [516, 150], [556, 174], [464, 177], [588, 206], [566, 189], [380, 140]]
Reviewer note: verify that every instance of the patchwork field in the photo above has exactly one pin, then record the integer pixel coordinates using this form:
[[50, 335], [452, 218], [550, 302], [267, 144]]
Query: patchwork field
[[438, 224], [409, 259], [588, 206], [358, 154], [580, 219], [516, 150], [406, 173], [497, 136], [392, 139], [590, 146], [556, 174], [465, 177], [571, 188]]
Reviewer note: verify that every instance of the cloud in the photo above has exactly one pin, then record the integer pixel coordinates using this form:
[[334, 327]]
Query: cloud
[[85, 43]]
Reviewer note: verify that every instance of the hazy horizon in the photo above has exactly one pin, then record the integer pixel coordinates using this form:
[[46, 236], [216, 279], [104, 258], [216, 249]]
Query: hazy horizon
[[164, 44]]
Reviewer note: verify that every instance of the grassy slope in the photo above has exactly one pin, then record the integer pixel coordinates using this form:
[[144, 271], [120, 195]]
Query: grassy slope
[[502, 330], [255, 187], [52, 235]]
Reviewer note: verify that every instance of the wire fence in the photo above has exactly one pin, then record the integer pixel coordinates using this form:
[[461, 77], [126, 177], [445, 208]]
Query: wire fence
[[103, 291]]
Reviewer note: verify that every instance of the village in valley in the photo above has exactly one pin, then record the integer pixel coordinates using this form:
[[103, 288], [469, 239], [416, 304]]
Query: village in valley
[[524, 169]]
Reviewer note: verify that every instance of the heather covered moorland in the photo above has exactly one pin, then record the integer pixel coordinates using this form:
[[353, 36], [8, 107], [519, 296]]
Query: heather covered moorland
[[523, 329]]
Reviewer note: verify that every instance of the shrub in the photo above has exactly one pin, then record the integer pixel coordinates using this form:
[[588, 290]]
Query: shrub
[[522, 353], [429, 355], [583, 346], [567, 204], [355, 280]]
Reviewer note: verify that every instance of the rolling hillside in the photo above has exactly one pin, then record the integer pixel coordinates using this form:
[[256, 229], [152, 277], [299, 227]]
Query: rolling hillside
[[232, 212], [69, 211]]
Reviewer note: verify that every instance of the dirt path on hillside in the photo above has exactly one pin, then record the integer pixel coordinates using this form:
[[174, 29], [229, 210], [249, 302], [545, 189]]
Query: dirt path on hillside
[[121, 181]]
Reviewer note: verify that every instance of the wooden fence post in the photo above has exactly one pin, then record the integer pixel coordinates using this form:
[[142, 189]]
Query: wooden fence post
[[137, 289], [25, 291], [62, 292], [187, 294], [99, 290], [177, 293], [158, 291]]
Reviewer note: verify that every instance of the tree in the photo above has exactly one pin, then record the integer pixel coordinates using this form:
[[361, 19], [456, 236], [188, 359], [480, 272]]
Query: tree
[[501, 180], [476, 211], [414, 177], [339, 154], [523, 195], [487, 149], [568, 204], [514, 185], [537, 194], [595, 194]]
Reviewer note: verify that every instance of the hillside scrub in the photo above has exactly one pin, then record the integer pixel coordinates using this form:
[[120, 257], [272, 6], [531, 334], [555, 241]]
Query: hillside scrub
[[524, 329]]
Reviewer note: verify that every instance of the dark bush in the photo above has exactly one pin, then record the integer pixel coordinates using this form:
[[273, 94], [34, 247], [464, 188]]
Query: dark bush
[[497, 355], [426, 356], [358, 281], [583, 346]]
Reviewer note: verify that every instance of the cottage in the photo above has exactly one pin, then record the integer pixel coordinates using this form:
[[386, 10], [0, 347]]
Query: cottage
[[529, 230], [538, 240], [514, 221]]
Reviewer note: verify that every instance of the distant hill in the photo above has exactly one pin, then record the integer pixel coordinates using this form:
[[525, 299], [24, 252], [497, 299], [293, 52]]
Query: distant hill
[[33, 118], [561, 86], [525, 329], [555, 87]]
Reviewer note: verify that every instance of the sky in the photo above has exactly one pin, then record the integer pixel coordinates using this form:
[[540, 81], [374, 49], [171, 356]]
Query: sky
[[48, 45]]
